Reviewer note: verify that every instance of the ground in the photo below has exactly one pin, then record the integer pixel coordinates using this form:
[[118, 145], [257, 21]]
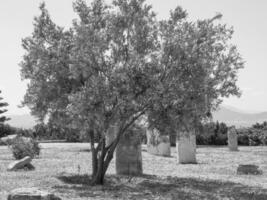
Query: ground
[[64, 168]]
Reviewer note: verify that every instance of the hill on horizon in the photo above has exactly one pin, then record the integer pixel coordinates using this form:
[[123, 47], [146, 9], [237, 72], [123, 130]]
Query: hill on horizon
[[235, 117], [227, 114]]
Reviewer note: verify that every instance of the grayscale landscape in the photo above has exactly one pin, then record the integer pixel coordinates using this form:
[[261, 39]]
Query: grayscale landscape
[[133, 100]]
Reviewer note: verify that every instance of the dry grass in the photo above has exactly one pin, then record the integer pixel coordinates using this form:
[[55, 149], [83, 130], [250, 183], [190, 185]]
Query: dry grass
[[63, 168]]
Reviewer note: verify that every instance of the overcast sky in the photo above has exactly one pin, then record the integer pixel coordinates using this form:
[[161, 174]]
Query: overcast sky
[[246, 16]]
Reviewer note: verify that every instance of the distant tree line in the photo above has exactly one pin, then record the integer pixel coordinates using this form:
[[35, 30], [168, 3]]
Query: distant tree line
[[212, 133], [215, 133]]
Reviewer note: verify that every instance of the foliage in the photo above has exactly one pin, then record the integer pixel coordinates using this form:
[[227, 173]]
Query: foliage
[[216, 134], [23, 146], [118, 62], [200, 68], [52, 131], [6, 129], [2, 110], [262, 126], [252, 136], [24, 132]]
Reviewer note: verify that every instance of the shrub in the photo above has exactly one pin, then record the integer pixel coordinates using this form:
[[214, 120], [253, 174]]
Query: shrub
[[252, 136], [6, 129], [23, 146], [212, 133], [243, 140], [24, 132]]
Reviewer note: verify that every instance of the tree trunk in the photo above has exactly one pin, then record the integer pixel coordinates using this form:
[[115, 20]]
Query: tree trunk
[[94, 163], [94, 153], [103, 162], [107, 152], [98, 177]]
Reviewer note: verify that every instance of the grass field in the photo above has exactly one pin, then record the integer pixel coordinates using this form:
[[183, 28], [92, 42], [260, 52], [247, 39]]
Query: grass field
[[64, 168]]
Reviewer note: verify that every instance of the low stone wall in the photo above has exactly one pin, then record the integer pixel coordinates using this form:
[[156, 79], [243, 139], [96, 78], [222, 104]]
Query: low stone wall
[[186, 148], [129, 154]]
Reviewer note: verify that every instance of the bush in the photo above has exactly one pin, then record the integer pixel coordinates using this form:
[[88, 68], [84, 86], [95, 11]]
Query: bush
[[243, 140], [252, 136], [52, 131], [213, 133], [6, 129], [23, 146], [24, 132]]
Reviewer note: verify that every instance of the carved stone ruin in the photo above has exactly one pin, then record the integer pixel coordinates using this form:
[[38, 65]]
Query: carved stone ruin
[[158, 144], [232, 139], [20, 164], [129, 154], [186, 147]]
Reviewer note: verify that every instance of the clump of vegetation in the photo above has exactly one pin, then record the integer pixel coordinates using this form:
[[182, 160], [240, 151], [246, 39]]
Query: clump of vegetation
[[53, 131], [6, 129], [22, 147], [213, 133], [253, 136], [216, 134], [2, 110]]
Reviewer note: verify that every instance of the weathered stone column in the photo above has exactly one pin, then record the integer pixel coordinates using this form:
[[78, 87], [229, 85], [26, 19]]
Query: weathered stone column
[[129, 154], [232, 139], [158, 144], [186, 147]]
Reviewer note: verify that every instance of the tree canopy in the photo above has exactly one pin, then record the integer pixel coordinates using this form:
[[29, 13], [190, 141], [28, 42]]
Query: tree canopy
[[118, 62], [2, 110]]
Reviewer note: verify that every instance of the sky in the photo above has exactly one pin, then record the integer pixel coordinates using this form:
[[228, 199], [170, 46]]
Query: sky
[[246, 16]]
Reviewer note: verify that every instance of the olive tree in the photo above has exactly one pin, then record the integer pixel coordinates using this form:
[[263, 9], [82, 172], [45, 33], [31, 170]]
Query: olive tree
[[116, 63]]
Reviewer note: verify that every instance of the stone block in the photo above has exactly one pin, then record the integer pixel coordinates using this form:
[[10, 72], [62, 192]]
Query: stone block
[[186, 148], [129, 154], [158, 144], [31, 194], [232, 139], [19, 164]]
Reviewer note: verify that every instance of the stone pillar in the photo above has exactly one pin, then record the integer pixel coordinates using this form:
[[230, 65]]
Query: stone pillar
[[129, 154], [232, 139], [186, 148], [158, 144]]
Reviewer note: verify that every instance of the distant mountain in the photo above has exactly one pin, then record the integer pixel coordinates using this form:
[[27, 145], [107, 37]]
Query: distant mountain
[[22, 121], [227, 114], [239, 118]]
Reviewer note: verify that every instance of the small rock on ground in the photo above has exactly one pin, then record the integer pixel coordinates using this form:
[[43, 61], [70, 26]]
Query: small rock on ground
[[249, 169], [19, 164], [31, 194]]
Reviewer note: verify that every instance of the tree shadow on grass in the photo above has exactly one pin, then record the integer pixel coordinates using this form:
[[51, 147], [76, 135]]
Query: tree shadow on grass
[[151, 187]]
